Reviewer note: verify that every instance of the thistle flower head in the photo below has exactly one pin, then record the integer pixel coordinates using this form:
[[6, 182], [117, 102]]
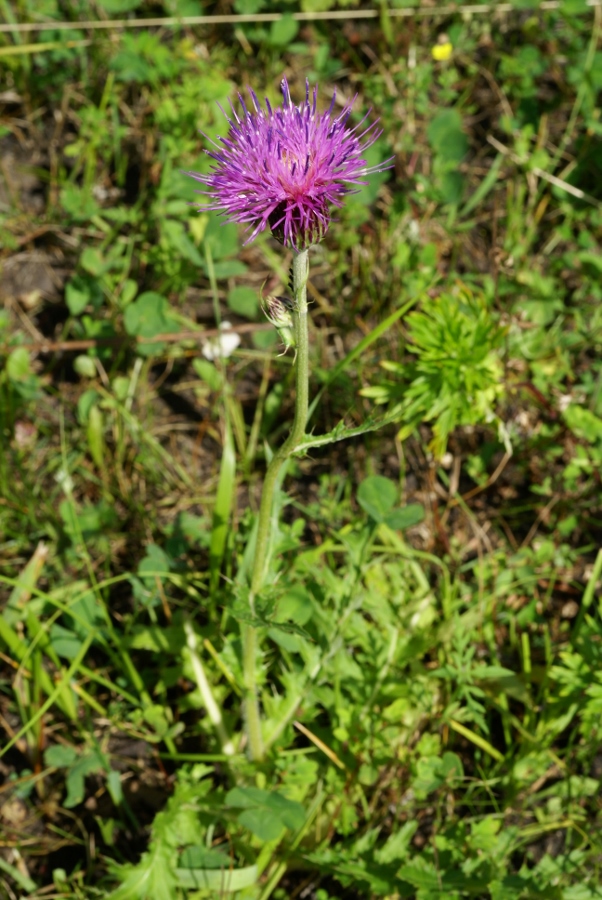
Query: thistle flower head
[[285, 168]]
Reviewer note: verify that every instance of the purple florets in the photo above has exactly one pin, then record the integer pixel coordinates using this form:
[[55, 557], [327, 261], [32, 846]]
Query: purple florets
[[284, 168]]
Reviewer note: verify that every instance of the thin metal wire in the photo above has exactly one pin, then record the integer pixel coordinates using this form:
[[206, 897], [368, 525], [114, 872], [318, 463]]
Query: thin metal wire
[[333, 15]]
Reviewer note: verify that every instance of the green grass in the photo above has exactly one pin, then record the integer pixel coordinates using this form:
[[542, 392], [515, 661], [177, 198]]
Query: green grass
[[431, 642]]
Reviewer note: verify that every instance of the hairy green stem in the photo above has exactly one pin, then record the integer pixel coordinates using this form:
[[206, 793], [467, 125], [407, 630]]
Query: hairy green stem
[[262, 545]]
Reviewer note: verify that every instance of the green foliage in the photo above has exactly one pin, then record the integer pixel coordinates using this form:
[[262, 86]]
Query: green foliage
[[148, 316], [455, 376], [377, 496], [142, 58], [263, 813], [450, 144], [175, 858], [78, 766]]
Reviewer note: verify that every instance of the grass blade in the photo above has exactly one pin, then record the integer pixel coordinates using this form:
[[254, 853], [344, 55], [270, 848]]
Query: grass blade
[[222, 510]]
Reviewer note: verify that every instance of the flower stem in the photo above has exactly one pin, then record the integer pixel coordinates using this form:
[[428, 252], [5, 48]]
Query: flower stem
[[297, 433]]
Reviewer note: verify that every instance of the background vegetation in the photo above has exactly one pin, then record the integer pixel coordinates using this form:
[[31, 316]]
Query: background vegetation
[[432, 677]]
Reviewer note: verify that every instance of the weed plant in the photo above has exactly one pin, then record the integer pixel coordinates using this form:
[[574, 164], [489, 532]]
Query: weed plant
[[431, 635]]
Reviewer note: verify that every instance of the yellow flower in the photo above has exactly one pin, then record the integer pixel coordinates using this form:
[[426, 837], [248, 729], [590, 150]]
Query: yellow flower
[[443, 49]]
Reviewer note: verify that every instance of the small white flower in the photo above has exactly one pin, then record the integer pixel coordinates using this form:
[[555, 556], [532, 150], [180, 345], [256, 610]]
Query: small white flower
[[222, 346], [64, 479]]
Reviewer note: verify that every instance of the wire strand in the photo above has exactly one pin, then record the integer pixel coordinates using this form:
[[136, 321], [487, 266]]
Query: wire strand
[[258, 18]]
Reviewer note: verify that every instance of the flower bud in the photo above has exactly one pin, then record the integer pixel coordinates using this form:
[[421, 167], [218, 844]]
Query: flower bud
[[278, 311]]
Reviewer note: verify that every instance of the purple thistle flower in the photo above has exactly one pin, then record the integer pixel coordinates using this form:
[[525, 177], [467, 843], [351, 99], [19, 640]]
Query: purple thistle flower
[[284, 168]]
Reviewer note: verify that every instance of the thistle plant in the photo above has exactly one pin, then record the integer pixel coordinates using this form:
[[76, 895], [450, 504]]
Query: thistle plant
[[284, 169]]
